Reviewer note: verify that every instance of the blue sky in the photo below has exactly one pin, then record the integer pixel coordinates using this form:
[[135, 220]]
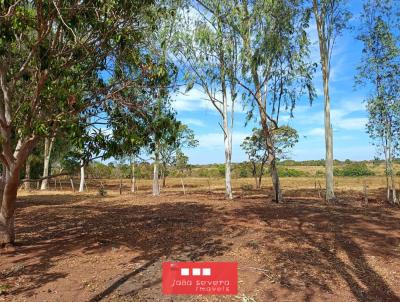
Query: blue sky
[[348, 111]]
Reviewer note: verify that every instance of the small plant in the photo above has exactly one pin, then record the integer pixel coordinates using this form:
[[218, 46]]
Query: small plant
[[247, 187], [253, 244], [4, 288], [102, 191], [244, 298]]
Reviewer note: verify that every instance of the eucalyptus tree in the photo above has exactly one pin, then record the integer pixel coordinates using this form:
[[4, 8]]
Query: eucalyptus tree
[[284, 138], [331, 17], [47, 47], [380, 69], [275, 68], [208, 49]]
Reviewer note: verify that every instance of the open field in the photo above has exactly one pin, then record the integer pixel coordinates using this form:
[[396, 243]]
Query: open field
[[83, 247]]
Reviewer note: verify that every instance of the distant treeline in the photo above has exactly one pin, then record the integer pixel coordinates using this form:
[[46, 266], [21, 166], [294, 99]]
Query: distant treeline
[[144, 170]]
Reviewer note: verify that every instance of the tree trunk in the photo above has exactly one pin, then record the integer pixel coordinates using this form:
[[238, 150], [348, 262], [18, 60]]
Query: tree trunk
[[228, 156], [156, 186], [325, 59], [278, 198], [82, 176], [163, 175], [226, 129], [183, 187], [27, 184], [133, 186], [392, 178], [72, 185], [48, 145], [385, 152], [330, 193], [9, 197]]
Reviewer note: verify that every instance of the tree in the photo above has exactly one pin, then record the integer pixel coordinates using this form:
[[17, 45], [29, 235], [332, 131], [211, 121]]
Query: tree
[[331, 17], [210, 55], [181, 165], [380, 67], [274, 63], [45, 49], [171, 148], [284, 138]]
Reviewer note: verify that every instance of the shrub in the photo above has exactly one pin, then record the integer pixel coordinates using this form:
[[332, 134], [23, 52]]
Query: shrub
[[247, 187], [102, 191], [354, 170], [319, 173], [286, 172], [398, 173]]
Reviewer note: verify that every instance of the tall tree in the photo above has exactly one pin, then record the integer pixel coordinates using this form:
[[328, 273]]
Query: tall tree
[[209, 51], [331, 17], [47, 47], [274, 64], [380, 67]]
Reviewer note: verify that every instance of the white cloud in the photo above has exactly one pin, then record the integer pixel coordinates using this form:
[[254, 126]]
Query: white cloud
[[342, 115], [196, 100], [357, 123], [316, 132], [193, 122], [215, 140]]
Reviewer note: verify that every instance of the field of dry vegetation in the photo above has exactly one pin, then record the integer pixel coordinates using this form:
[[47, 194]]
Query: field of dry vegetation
[[87, 247]]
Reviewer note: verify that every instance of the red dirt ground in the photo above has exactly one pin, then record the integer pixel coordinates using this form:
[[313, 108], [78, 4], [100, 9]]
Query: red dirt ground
[[91, 248]]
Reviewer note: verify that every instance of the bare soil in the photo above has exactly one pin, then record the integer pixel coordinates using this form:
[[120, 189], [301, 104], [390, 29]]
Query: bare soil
[[83, 247]]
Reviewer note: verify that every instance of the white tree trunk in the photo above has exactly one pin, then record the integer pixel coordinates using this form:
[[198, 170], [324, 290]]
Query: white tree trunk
[[48, 145], [183, 187], [228, 156], [82, 176], [330, 193], [325, 61], [156, 185]]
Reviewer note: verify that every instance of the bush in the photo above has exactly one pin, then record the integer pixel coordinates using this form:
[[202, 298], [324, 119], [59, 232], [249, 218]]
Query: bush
[[102, 191], [286, 172], [398, 173], [319, 173], [354, 170], [247, 187]]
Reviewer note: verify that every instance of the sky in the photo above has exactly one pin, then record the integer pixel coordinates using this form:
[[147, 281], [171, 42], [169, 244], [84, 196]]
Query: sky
[[348, 113]]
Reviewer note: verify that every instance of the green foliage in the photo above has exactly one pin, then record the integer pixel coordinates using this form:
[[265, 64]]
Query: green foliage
[[287, 172], [355, 169], [221, 170], [380, 68]]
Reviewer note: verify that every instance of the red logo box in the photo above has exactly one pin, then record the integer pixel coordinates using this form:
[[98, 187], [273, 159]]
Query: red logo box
[[200, 278]]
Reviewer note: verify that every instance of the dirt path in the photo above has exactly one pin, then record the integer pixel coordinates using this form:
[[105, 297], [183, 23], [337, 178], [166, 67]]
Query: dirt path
[[88, 248]]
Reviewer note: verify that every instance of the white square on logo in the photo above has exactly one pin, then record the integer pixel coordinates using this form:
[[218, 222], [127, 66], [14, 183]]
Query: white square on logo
[[206, 271], [196, 272], [184, 272]]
